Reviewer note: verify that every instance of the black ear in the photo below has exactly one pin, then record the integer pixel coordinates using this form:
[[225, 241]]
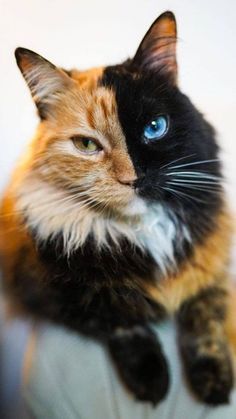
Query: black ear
[[45, 80], [157, 51]]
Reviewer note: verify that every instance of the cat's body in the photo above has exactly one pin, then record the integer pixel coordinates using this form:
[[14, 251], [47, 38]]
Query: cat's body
[[109, 234]]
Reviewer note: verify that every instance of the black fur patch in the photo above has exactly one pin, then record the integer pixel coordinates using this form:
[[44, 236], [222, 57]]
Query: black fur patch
[[90, 291], [141, 96]]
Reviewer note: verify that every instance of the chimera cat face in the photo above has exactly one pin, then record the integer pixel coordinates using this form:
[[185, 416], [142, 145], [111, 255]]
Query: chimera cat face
[[113, 140]]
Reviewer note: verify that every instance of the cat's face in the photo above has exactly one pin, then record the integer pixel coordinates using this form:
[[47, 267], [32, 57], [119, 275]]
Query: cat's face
[[114, 140], [81, 148]]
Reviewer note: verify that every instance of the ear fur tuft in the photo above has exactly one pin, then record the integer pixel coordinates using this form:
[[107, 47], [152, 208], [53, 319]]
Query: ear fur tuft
[[44, 79]]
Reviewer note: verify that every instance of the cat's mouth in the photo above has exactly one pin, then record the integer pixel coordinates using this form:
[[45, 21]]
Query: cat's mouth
[[120, 202], [127, 200]]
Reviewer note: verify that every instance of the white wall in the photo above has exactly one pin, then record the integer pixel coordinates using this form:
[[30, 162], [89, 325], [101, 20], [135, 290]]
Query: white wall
[[89, 32]]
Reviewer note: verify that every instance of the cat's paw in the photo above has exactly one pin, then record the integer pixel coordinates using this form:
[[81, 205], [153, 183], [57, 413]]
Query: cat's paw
[[141, 364], [146, 375], [212, 379]]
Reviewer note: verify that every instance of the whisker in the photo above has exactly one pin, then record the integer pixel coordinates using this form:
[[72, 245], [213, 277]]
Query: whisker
[[23, 211], [192, 174], [197, 182], [195, 187], [177, 193], [174, 161], [68, 200], [172, 192], [195, 163], [80, 200], [189, 197]]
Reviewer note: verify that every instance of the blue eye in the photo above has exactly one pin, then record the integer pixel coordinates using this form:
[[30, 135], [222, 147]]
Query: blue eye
[[156, 129]]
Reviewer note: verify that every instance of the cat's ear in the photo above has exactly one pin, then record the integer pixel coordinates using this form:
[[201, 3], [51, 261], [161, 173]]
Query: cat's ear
[[44, 79], [157, 51]]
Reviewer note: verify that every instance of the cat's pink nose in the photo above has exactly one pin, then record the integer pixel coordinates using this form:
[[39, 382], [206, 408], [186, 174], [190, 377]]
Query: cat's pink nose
[[128, 181]]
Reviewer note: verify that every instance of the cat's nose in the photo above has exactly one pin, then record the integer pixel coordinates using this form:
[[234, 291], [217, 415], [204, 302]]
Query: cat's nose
[[134, 182], [128, 181]]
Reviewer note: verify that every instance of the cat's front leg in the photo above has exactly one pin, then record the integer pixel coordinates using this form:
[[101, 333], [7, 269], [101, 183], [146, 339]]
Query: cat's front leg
[[141, 364], [204, 347]]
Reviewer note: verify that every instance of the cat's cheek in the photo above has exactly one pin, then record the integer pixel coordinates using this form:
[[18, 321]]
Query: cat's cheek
[[128, 202]]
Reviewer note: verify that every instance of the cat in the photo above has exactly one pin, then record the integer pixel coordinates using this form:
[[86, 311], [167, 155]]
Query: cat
[[116, 218]]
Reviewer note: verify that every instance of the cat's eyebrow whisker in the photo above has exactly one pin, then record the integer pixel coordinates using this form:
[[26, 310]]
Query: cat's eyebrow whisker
[[174, 161]]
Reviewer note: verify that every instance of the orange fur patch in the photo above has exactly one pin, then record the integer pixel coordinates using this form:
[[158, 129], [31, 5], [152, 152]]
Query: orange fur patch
[[87, 79], [207, 267], [84, 109]]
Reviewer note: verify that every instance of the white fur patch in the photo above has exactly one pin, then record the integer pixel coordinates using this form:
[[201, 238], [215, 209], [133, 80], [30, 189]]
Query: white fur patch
[[136, 207], [158, 233], [49, 211]]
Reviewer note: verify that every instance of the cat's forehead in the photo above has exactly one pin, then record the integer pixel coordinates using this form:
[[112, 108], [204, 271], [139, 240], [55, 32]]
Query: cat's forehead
[[94, 104], [87, 79], [87, 108]]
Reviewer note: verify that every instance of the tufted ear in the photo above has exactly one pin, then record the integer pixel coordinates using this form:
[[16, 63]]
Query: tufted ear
[[45, 80], [157, 51]]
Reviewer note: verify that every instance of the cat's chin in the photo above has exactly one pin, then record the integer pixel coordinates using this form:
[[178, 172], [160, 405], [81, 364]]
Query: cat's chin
[[135, 207]]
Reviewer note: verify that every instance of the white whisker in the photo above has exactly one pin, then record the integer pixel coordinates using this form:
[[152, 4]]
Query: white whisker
[[192, 174], [173, 192], [195, 163], [174, 161], [195, 187], [189, 197], [197, 182]]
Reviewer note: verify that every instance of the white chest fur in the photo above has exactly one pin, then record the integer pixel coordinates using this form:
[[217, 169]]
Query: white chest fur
[[158, 235], [49, 213]]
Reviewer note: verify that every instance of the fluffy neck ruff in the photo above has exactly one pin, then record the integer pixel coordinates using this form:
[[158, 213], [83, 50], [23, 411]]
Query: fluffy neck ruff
[[49, 212]]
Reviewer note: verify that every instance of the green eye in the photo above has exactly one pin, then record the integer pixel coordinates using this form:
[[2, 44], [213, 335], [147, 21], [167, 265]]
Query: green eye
[[86, 145]]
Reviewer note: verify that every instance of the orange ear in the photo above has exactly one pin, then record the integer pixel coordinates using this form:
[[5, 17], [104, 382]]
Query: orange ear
[[157, 51], [44, 79]]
